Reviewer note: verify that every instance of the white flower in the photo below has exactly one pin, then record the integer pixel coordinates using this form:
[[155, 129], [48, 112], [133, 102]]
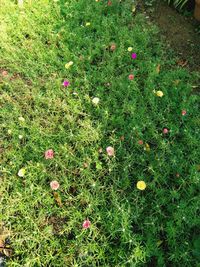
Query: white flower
[[9, 131], [21, 119], [69, 64], [20, 3], [110, 151], [20, 136], [21, 172], [95, 100]]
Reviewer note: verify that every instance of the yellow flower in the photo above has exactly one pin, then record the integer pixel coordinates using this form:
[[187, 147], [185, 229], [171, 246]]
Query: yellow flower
[[159, 93], [141, 185], [147, 147], [69, 64], [87, 24], [130, 49], [21, 172], [9, 131]]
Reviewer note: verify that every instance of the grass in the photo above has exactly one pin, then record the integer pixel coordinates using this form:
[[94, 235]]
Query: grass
[[155, 227]]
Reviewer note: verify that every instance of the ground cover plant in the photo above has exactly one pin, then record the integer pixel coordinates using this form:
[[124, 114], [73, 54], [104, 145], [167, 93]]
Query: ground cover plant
[[178, 3], [99, 139]]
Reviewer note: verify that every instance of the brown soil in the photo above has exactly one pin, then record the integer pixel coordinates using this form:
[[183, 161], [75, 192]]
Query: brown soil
[[179, 31]]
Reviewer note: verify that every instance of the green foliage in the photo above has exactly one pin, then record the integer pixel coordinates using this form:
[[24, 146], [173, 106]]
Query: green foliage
[[178, 3], [155, 227]]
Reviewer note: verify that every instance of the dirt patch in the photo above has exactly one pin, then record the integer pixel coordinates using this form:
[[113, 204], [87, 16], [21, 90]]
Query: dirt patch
[[179, 31], [57, 223]]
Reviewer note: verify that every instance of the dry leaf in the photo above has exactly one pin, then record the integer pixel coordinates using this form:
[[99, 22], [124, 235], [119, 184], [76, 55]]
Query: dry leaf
[[158, 69], [122, 138], [100, 150], [176, 82], [57, 199], [7, 252], [85, 165], [198, 168], [4, 249], [182, 62], [1, 241]]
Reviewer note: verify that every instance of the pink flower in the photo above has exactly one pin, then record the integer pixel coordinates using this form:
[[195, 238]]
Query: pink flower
[[49, 154], [86, 224], [109, 3], [131, 77], [66, 83], [140, 142], [134, 55], [4, 73], [113, 47], [110, 151], [184, 112], [54, 185], [165, 130]]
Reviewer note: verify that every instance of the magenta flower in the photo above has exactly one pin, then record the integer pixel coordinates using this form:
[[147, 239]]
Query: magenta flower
[[54, 185], [165, 130], [134, 55], [110, 151], [86, 224], [184, 112], [49, 154], [66, 83]]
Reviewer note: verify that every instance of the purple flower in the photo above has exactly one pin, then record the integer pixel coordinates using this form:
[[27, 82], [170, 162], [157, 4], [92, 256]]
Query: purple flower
[[66, 83], [134, 55]]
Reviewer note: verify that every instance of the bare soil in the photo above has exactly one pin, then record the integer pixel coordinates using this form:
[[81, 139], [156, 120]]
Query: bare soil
[[181, 32]]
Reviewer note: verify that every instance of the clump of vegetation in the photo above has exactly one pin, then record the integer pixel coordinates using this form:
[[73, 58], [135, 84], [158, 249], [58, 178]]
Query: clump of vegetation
[[99, 139], [178, 3]]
